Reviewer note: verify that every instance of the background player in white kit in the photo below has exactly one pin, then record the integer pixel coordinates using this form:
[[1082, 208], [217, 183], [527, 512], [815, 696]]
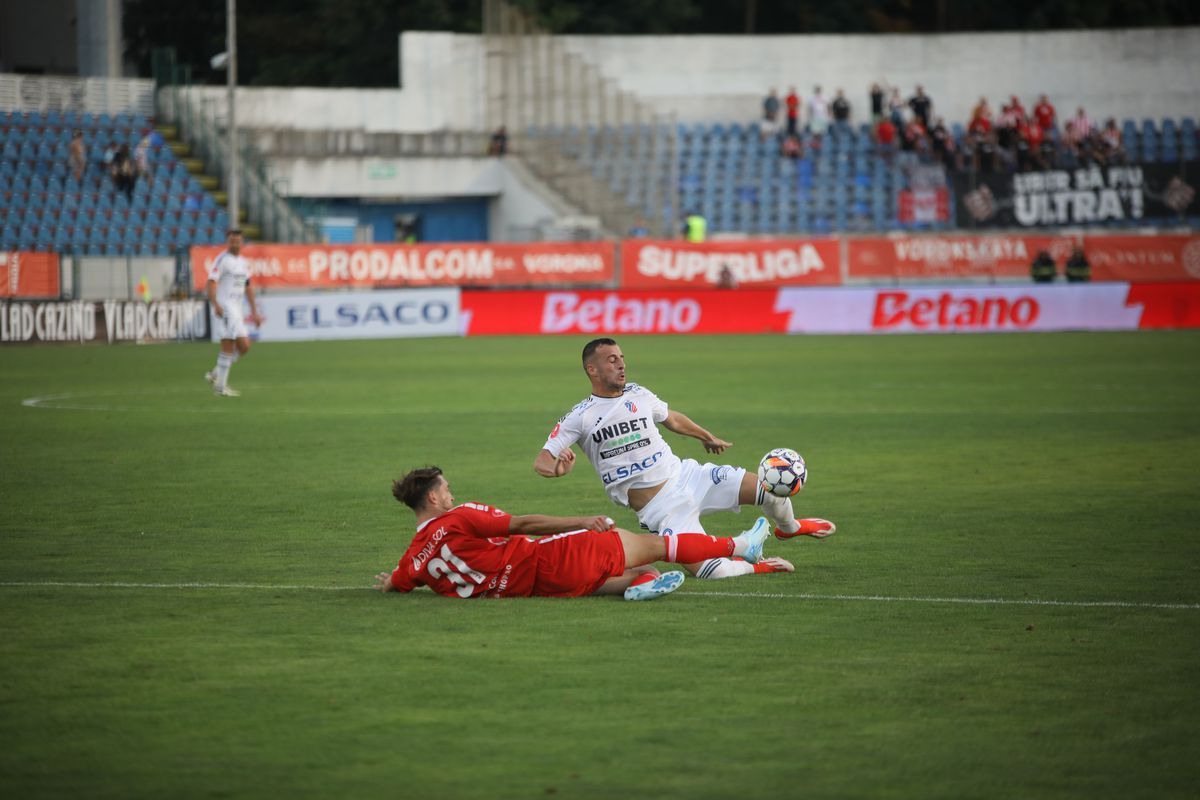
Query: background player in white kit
[[617, 429], [228, 283]]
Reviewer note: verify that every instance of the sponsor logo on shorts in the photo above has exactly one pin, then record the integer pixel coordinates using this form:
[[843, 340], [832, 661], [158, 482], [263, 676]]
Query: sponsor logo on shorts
[[720, 474]]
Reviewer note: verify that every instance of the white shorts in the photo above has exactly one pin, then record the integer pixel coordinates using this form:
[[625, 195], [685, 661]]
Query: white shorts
[[695, 490], [230, 326]]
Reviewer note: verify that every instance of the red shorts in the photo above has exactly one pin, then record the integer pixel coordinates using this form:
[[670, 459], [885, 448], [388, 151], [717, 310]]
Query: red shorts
[[577, 563]]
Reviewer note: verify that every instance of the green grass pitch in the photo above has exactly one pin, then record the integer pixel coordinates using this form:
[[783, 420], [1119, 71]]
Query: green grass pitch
[[1020, 469]]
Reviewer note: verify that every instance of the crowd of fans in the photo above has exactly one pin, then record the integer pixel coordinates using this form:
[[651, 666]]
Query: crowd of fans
[[121, 165], [1015, 139]]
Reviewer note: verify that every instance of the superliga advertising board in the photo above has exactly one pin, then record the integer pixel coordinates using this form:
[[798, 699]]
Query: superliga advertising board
[[394, 314]]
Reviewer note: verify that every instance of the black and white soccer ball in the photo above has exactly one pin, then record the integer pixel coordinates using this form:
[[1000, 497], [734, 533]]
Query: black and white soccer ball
[[782, 472]]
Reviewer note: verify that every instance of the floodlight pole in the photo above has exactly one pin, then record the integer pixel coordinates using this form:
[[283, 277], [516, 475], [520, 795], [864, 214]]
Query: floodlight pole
[[231, 83]]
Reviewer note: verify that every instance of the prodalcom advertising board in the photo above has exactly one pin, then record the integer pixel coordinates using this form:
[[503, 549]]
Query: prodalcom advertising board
[[391, 314]]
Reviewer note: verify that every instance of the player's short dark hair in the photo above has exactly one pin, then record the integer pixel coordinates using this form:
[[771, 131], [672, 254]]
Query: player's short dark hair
[[233, 232], [414, 487], [590, 348]]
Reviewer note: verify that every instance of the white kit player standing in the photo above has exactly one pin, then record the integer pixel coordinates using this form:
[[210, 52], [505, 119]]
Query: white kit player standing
[[617, 429], [228, 284]]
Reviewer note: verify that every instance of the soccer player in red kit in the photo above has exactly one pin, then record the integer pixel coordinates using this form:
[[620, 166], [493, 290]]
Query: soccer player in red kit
[[474, 550]]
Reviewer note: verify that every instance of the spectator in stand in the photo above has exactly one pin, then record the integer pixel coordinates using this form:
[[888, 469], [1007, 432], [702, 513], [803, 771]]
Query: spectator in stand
[[791, 147], [982, 109], [123, 171], [942, 142], [77, 156], [1014, 103], [768, 126], [876, 103], [141, 155], [895, 110], [982, 138], [1030, 145], [916, 138], [1069, 147], [1045, 114], [1006, 127], [885, 138], [818, 113], [1083, 125], [106, 159], [920, 103], [840, 108], [793, 111], [1112, 151]]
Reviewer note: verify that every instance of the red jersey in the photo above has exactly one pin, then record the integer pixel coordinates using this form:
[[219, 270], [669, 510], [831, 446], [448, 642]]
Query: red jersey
[[980, 125], [793, 105], [467, 552], [1044, 112]]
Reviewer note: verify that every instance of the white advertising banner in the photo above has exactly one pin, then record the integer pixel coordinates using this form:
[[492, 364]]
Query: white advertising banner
[[960, 309], [391, 314]]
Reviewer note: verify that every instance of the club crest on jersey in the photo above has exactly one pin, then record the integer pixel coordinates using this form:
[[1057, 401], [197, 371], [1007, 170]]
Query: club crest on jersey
[[632, 408]]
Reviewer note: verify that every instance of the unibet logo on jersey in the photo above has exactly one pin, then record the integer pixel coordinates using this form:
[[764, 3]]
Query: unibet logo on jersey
[[620, 438]]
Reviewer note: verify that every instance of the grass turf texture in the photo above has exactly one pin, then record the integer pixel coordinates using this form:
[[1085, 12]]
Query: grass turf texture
[[1039, 467]]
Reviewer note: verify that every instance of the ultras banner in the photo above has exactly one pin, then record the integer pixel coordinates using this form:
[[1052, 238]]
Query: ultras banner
[[1086, 196]]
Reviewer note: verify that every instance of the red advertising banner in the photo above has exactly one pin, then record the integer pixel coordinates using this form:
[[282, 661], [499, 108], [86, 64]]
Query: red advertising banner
[[305, 266], [928, 309], [1107, 306], [1143, 258], [948, 257], [650, 264], [599, 312], [28, 274], [1112, 258]]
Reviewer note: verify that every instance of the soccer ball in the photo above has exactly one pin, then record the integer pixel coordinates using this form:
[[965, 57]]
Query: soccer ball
[[782, 472]]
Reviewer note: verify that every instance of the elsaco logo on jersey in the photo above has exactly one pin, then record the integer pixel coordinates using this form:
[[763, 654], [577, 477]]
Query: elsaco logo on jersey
[[622, 437], [629, 470]]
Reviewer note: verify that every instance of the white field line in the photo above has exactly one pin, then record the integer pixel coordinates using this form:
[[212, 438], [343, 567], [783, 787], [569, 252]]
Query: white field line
[[861, 598]]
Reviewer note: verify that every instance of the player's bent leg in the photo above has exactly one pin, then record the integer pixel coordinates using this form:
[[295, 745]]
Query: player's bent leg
[[779, 511]]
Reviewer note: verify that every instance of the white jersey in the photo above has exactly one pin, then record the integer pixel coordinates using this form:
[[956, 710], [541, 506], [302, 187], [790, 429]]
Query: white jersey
[[620, 436], [231, 273]]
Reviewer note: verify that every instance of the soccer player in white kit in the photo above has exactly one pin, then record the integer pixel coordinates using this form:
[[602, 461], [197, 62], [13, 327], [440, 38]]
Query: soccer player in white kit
[[617, 429], [228, 284]]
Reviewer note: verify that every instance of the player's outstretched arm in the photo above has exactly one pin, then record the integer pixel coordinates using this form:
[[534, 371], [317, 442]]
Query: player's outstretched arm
[[548, 466], [536, 524], [383, 582], [683, 425]]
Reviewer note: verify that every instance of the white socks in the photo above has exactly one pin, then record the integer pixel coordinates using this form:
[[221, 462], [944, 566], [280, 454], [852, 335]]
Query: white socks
[[717, 568], [224, 362], [779, 511]]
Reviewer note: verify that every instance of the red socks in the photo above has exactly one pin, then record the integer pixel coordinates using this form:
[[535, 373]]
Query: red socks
[[688, 548]]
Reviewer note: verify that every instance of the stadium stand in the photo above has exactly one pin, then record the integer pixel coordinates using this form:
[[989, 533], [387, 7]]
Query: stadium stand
[[43, 207], [841, 182]]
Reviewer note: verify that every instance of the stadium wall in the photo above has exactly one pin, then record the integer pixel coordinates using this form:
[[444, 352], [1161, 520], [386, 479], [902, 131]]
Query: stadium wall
[[1147, 72]]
